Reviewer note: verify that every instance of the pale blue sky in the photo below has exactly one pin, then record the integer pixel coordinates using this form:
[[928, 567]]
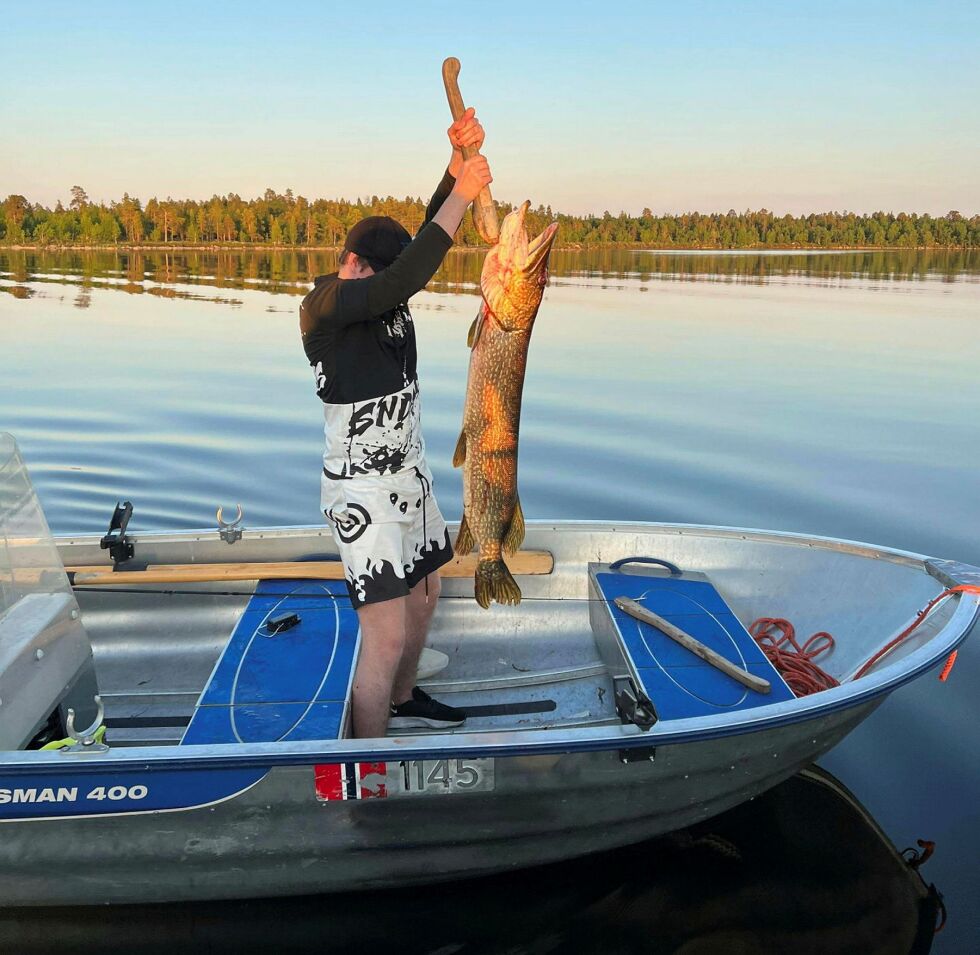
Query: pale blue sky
[[587, 106]]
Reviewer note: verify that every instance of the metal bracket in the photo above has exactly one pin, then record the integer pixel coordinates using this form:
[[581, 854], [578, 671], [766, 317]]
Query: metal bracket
[[88, 740], [230, 531], [120, 547], [633, 705], [638, 754]]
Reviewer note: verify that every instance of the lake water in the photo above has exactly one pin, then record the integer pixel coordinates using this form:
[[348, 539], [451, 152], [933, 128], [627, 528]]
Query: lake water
[[828, 393]]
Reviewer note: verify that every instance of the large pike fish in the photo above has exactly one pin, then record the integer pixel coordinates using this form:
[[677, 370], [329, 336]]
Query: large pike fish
[[515, 273]]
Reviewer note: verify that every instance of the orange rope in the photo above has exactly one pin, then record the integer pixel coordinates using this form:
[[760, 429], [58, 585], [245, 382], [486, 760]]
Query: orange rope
[[922, 614], [777, 639]]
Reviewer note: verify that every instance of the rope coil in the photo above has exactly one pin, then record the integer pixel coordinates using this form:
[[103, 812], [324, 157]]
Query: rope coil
[[776, 637]]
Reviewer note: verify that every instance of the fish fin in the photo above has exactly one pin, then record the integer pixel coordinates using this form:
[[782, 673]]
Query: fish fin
[[515, 533], [464, 539], [459, 455], [473, 336], [494, 581]]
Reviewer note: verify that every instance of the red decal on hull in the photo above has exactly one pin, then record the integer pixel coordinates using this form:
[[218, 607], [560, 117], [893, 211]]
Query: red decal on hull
[[372, 788], [330, 781], [350, 781]]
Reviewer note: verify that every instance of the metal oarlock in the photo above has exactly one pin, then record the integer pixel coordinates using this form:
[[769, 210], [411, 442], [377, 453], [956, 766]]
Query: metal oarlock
[[87, 740], [230, 531]]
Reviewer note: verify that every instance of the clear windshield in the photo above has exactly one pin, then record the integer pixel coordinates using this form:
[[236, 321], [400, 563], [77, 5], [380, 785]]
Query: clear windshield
[[29, 561]]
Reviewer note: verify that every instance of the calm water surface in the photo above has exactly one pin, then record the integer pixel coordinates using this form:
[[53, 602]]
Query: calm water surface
[[830, 393]]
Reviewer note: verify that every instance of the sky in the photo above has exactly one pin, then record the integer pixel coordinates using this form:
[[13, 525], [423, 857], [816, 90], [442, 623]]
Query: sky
[[587, 106]]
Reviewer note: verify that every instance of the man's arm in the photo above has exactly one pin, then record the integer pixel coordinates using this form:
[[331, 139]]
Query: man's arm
[[442, 192], [411, 271], [408, 274]]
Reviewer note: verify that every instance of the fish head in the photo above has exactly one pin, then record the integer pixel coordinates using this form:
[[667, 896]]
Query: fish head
[[515, 271]]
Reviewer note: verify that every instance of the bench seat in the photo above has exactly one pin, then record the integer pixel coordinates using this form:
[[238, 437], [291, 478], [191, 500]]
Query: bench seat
[[679, 683], [292, 685]]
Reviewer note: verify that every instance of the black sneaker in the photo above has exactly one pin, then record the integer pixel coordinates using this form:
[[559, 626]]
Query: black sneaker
[[422, 710]]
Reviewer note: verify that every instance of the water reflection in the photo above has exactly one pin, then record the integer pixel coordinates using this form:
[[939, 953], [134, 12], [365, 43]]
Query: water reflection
[[802, 868], [291, 271], [793, 391]]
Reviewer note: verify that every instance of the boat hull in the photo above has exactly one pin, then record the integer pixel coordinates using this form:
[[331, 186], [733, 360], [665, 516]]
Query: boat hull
[[278, 838], [252, 819]]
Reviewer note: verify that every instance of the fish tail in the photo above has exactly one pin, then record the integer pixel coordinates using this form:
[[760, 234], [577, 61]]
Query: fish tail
[[495, 582]]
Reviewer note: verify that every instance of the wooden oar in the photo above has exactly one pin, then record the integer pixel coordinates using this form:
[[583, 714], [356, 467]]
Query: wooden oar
[[484, 214], [523, 562], [716, 660]]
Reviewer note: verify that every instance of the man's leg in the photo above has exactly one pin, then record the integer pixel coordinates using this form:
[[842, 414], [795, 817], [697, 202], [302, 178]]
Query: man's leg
[[383, 649], [418, 616], [414, 707]]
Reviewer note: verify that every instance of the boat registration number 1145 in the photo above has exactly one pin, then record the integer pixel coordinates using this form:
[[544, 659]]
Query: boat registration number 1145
[[447, 775], [409, 777]]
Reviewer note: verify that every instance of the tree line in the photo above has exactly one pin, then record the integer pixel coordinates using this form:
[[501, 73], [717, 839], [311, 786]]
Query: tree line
[[288, 220]]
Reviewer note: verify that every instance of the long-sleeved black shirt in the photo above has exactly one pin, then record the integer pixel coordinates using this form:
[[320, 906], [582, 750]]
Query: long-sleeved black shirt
[[358, 333], [359, 337]]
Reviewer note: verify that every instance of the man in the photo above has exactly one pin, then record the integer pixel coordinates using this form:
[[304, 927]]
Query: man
[[376, 488]]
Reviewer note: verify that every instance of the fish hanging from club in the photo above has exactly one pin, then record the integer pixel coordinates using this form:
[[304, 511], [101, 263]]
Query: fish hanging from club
[[515, 273]]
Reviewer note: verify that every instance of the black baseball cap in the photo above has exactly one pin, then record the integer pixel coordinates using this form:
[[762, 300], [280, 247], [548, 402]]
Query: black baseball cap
[[377, 239]]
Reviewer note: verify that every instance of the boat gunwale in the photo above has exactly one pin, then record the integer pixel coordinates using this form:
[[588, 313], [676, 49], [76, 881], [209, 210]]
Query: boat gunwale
[[300, 531]]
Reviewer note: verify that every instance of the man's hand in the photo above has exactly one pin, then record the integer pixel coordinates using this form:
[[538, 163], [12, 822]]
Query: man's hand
[[466, 131], [473, 175]]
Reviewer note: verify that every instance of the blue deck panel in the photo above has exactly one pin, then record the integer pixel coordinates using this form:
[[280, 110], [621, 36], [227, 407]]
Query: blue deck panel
[[679, 683], [285, 686]]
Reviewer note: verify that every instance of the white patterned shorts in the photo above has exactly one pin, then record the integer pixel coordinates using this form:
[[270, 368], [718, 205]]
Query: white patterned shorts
[[389, 530]]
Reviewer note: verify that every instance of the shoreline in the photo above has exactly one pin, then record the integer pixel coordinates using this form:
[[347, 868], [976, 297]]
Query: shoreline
[[571, 247]]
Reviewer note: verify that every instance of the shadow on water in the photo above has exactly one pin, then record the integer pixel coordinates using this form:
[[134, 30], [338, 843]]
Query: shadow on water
[[802, 868]]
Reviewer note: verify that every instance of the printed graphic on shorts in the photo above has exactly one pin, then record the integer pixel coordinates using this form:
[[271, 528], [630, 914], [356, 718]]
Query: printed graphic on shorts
[[374, 437], [428, 557], [389, 531], [351, 523], [382, 580]]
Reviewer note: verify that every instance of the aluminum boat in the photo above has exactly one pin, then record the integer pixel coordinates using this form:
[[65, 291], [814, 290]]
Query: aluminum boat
[[196, 718]]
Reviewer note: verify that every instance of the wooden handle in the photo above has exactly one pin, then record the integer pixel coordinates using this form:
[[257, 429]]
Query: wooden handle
[[484, 214], [523, 562], [716, 660]]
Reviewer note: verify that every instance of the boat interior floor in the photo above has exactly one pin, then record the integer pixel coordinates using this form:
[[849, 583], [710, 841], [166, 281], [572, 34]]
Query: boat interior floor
[[208, 664], [156, 665]]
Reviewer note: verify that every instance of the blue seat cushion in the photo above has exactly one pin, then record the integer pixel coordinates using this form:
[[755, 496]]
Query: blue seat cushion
[[291, 685], [680, 683]]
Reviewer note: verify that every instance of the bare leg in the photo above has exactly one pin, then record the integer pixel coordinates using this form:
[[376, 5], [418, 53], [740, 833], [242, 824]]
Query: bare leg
[[382, 650], [419, 611]]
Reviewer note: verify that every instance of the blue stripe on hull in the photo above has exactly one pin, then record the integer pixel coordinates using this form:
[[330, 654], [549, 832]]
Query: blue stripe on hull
[[70, 792]]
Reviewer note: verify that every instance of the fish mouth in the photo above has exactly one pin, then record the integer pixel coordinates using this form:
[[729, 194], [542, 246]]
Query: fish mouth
[[539, 249], [515, 264], [529, 257]]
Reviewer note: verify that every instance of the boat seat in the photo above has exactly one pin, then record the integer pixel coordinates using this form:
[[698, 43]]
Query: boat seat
[[45, 665], [679, 683], [293, 684]]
